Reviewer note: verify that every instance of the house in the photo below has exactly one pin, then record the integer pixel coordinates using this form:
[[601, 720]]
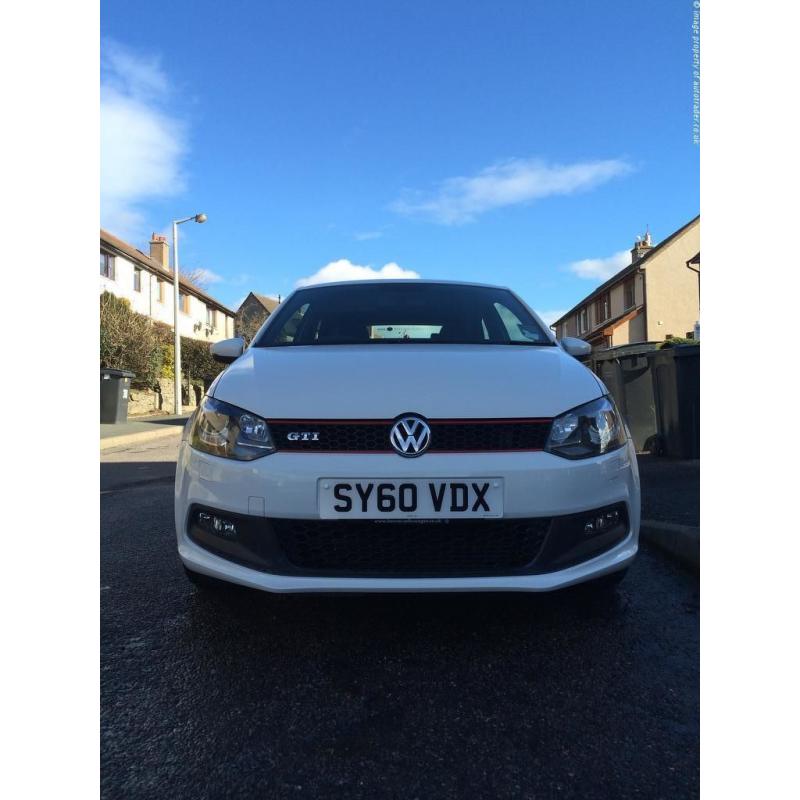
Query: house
[[250, 316], [147, 282], [655, 297]]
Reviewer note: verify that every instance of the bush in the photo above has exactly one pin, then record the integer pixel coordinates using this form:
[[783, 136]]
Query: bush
[[128, 341], [167, 361], [197, 364], [197, 361], [135, 342], [675, 340]]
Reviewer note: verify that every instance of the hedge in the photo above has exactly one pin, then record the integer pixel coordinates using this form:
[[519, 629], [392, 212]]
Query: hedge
[[676, 340], [129, 340], [197, 363]]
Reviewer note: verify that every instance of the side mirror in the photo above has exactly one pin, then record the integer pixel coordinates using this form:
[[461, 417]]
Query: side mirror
[[575, 347], [227, 350]]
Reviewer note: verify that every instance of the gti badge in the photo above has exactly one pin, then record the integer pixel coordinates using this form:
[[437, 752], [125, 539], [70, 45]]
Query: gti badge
[[410, 436], [303, 436]]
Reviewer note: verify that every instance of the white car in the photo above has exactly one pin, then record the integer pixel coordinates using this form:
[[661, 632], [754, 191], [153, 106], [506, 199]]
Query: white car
[[406, 436]]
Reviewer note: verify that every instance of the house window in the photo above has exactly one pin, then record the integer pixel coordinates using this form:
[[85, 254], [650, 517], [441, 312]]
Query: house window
[[630, 293], [161, 290], [211, 317], [583, 320], [137, 279], [107, 265], [183, 301], [602, 308]]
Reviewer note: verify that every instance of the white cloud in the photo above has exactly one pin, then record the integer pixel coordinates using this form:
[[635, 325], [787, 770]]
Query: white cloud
[[142, 144], [345, 270], [549, 317], [600, 268], [462, 199], [364, 236]]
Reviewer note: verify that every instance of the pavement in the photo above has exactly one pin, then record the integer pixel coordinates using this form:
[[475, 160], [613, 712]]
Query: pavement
[[671, 507], [245, 694], [670, 489], [141, 429]]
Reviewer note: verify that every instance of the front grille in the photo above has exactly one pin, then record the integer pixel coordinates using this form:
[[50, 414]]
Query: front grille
[[372, 436], [426, 548]]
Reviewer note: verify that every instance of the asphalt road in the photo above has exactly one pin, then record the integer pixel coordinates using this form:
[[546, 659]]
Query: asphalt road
[[428, 696]]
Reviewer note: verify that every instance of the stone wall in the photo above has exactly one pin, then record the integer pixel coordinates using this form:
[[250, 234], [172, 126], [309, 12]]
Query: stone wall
[[150, 401]]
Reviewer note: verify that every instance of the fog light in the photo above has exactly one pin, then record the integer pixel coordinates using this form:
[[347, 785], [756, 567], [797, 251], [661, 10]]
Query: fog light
[[224, 526], [219, 525], [602, 521]]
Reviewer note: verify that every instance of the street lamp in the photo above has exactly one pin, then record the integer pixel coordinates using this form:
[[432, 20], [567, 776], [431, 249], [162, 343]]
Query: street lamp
[[176, 292]]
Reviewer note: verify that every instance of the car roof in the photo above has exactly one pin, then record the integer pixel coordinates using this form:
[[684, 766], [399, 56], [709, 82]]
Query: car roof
[[383, 281]]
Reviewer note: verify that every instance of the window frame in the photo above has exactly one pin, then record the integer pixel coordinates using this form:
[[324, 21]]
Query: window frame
[[581, 326], [137, 279], [629, 286], [602, 308], [108, 267]]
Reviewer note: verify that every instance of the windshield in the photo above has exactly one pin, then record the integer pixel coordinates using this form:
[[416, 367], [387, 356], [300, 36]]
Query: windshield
[[402, 313]]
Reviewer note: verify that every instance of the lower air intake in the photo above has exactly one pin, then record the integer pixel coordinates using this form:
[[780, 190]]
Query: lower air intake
[[424, 548]]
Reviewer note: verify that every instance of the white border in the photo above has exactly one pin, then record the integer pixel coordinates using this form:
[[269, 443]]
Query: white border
[[750, 486], [750, 180], [48, 406]]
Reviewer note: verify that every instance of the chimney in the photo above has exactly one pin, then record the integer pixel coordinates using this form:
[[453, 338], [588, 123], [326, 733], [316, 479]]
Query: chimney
[[641, 246], [159, 250]]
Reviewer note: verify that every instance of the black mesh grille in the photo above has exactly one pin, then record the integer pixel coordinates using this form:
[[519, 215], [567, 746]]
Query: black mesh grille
[[445, 547], [446, 436]]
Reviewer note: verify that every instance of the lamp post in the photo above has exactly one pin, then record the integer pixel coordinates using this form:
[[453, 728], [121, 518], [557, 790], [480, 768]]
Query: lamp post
[[176, 295]]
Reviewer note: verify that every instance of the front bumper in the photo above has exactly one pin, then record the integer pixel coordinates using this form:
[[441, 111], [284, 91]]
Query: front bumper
[[283, 487]]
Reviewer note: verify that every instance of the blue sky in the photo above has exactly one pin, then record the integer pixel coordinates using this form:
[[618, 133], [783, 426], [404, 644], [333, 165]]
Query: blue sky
[[521, 143]]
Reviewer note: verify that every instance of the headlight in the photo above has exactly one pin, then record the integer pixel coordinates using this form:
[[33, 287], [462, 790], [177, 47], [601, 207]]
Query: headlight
[[587, 431], [224, 430]]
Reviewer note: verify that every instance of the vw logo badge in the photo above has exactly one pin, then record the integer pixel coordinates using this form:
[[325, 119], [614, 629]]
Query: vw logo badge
[[410, 436]]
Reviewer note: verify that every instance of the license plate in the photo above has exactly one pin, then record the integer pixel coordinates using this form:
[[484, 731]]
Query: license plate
[[413, 498]]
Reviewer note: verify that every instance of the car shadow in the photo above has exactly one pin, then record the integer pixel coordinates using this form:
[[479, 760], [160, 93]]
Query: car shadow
[[401, 617]]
